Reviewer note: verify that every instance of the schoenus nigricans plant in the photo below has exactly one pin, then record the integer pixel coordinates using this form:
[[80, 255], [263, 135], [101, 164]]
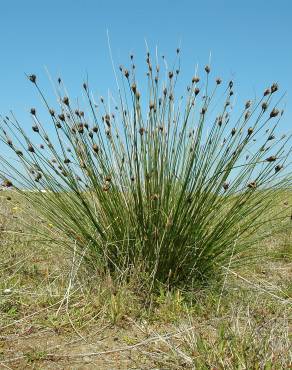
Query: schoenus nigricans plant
[[181, 186]]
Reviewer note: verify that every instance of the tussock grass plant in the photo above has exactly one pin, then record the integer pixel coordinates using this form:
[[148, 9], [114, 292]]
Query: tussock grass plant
[[149, 179]]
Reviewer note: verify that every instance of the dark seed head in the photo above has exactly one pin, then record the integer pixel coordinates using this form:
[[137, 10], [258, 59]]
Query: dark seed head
[[32, 78], [170, 74], [247, 104], [58, 125], [274, 88], [90, 134], [108, 179], [126, 73], [66, 100], [84, 86], [267, 92], [278, 168], [7, 183], [230, 84], [271, 137], [94, 128], [141, 131], [218, 81], [38, 176], [52, 112], [19, 152], [67, 161], [134, 88], [264, 106], [207, 69], [42, 146], [33, 111], [107, 119], [106, 187], [80, 128], [225, 186], [61, 117], [250, 131], [233, 131], [274, 113], [272, 158], [197, 90], [195, 79], [247, 114], [35, 128], [95, 148], [252, 185], [30, 148]]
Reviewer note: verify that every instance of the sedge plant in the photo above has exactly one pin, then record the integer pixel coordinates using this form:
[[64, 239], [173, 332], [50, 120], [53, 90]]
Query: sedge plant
[[180, 186]]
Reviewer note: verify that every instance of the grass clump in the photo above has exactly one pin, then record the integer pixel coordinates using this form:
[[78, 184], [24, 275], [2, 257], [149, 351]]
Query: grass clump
[[152, 180]]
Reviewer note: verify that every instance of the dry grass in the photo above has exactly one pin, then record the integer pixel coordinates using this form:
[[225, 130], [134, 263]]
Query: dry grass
[[53, 317]]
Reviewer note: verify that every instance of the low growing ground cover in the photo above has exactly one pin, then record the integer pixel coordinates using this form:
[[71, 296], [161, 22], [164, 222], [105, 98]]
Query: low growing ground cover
[[54, 316]]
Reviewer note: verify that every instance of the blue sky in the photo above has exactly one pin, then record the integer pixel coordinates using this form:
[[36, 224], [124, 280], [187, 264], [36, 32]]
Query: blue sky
[[250, 41]]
